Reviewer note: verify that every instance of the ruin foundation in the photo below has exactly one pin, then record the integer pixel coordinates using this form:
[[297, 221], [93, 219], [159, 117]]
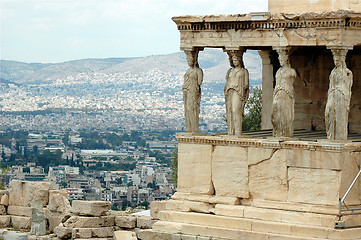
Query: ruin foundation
[[247, 188]]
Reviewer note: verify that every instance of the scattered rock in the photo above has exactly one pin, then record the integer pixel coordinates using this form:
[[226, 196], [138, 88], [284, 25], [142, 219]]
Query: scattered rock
[[124, 235], [125, 221], [5, 200], [90, 208], [38, 221]]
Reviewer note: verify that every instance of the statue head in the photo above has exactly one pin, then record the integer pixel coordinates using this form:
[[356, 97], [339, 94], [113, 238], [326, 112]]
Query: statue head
[[192, 58], [339, 57], [237, 59], [283, 58]]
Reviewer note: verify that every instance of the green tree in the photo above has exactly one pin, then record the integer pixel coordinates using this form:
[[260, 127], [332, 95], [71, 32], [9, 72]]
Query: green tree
[[12, 158], [119, 181], [3, 172], [145, 204], [35, 149], [252, 119], [115, 207], [126, 204], [63, 184], [3, 156]]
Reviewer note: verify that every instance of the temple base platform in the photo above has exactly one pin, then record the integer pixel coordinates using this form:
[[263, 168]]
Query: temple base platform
[[249, 188]]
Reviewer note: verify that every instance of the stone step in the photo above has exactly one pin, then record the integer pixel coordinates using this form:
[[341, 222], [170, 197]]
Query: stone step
[[312, 219], [251, 225], [241, 211], [161, 230]]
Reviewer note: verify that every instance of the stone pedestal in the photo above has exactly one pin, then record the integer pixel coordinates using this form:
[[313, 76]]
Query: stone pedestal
[[252, 188]]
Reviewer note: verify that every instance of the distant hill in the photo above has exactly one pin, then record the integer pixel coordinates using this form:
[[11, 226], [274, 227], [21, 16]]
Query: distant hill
[[213, 62]]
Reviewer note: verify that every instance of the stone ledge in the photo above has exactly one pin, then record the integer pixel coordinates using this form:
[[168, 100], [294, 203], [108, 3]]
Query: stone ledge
[[219, 233], [329, 146]]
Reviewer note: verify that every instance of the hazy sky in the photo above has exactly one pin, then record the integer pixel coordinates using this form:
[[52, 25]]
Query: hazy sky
[[62, 30]]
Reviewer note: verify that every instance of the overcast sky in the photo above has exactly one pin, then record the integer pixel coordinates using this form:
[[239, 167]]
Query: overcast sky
[[63, 30]]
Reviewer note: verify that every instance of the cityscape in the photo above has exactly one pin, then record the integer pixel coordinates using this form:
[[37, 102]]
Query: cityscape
[[105, 129]]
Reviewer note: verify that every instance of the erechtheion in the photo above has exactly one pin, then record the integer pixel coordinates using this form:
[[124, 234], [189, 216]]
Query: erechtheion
[[296, 179]]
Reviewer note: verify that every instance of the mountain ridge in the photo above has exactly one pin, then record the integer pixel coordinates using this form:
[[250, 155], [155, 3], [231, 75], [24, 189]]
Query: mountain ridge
[[214, 62]]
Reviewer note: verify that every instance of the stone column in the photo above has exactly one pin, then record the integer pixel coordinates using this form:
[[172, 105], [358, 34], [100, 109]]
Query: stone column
[[267, 88], [283, 113], [338, 96], [236, 91], [193, 79]]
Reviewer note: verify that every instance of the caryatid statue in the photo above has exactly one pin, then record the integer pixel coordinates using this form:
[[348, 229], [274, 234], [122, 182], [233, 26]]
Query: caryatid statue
[[338, 97], [236, 92], [283, 115], [193, 79]]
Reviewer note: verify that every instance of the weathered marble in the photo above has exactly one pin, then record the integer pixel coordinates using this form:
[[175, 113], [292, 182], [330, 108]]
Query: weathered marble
[[38, 220], [90, 208], [193, 79], [230, 164], [338, 97], [124, 235], [236, 92], [194, 170], [302, 6], [283, 104], [23, 193]]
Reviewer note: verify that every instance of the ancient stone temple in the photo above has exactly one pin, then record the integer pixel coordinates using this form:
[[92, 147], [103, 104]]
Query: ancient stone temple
[[297, 178]]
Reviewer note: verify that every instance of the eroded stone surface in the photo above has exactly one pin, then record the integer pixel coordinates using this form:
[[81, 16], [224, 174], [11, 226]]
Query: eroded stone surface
[[4, 200], [90, 208], [81, 233], [5, 221], [145, 222], [124, 235], [19, 211], [230, 165], [268, 179], [236, 92], [38, 221], [303, 6], [126, 221], [193, 79], [89, 222], [19, 222], [102, 232], [23, 193], [54, 219], [188, 206], [283, 112], [63, 232], [338, 97], [155, 207], [58, 203], [194, 169], [321, 186]]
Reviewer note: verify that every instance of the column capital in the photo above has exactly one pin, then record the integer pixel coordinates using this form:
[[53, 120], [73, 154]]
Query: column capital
[[339, 47], [265, 56], [281, 48]]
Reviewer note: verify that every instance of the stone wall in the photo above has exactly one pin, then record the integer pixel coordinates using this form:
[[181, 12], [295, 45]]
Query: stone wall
[[301, 6], [267, 173]]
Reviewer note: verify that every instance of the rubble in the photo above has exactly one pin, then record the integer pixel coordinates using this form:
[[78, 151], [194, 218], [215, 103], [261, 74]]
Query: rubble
[[49, 215]]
